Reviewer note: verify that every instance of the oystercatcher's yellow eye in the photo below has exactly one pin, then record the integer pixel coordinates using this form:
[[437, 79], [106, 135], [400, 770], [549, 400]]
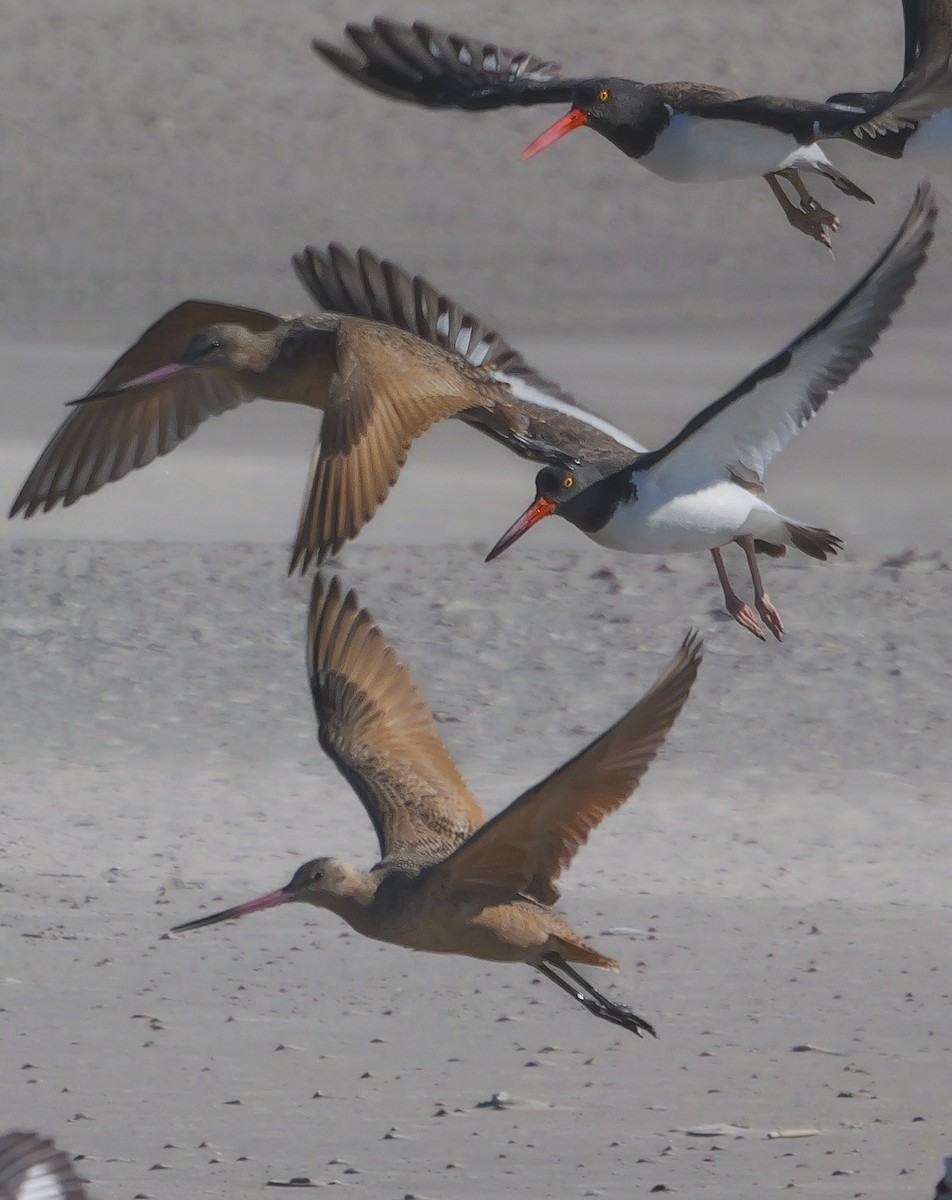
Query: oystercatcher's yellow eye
[[603, 95], [568, 481]]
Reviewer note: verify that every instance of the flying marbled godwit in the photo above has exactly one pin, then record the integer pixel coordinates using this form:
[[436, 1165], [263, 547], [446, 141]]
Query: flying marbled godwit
[[704, 488], [397, 357], [31, 1168], [686, 132], [449, 881]]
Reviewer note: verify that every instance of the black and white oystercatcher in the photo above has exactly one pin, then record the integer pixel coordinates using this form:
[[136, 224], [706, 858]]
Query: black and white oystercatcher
[[449, 881], [704, 488], [687, 132]]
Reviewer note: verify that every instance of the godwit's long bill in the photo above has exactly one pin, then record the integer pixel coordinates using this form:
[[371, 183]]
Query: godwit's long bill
[[681, 131], [704, 489], [449, 881], [31, 1168], [393, 357]]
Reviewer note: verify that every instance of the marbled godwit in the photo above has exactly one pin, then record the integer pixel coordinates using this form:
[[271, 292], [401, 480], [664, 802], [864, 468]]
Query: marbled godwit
[[398, 357], [449, 881], [926, 143], [687, 132], [31, 1168], [703, 489]]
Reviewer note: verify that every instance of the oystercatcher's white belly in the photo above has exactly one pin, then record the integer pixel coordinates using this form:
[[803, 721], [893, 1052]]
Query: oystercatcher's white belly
[[711, 516], [930, 147], [702, 149]]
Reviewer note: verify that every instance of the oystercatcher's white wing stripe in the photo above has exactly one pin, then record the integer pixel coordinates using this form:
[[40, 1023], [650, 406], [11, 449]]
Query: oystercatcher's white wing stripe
[[523, 390], [742, 431]]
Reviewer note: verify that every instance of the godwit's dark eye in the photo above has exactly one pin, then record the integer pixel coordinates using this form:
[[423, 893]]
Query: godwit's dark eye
[[603, 95]]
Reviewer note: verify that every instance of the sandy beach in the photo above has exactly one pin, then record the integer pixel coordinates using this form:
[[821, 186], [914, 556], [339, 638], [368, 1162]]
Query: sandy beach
[[778, 890]]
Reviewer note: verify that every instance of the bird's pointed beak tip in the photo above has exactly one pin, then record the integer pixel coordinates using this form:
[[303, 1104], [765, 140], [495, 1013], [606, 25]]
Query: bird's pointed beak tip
[[167, 371], [270, 900], [574, 118], [539, 508]]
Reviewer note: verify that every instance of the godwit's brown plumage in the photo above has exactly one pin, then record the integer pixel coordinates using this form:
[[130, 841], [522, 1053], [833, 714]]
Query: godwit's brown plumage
[[31, 1168], [449, 881], [397, 358]]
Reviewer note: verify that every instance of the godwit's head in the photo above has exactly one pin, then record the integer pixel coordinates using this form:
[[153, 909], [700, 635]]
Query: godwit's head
[[230, 347], [324, 882]]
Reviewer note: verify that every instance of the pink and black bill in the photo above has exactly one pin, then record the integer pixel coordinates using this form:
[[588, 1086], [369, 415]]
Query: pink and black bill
[[284, 895]]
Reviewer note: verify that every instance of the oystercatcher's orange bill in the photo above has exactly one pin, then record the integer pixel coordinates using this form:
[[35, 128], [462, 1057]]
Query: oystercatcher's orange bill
[[572, 120], [535, 512]]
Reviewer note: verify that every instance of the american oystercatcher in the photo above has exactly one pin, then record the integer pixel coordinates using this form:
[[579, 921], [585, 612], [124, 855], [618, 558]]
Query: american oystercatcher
[[704, 488], [688, 132]]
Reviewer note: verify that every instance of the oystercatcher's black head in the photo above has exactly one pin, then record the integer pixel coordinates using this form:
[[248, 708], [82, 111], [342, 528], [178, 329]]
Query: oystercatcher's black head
[[607, 105], [584, 495]]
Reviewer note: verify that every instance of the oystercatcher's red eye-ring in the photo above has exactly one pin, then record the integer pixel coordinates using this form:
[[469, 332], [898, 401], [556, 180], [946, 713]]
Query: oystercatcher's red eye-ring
[[603, 95], [568, 481]]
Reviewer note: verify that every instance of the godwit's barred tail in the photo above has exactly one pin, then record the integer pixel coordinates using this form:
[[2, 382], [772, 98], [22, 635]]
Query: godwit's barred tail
[[448, 881]]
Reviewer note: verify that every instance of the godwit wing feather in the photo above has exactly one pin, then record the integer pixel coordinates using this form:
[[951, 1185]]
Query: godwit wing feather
[[378, 730], [526, 846], [739, 434], [531, 415], [31, 1168], [387, 391], [113, 434]]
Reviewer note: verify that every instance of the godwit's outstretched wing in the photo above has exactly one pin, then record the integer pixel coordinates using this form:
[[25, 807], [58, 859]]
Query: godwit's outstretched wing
[[525, 847], [391, 389], [117, 430], [378, 730], [31, 1168]]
